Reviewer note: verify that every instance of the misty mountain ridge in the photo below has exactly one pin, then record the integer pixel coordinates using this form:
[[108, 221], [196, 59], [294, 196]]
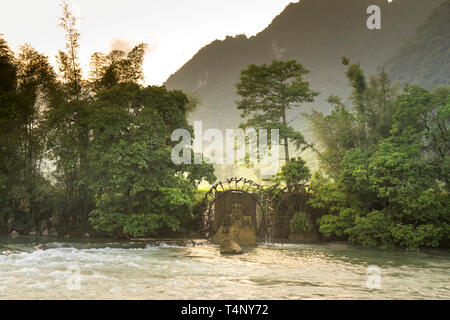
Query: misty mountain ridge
[[425, 58], [314, 32]]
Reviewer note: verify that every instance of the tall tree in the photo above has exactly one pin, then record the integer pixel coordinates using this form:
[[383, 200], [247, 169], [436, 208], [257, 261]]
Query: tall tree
[[9, 126], [117, 67], [68, 120], [69, 65], [37, 84], [423, 117], [26, 88], [139, 190], [7, 67], [37, 87], [361, 125], [268, 92]]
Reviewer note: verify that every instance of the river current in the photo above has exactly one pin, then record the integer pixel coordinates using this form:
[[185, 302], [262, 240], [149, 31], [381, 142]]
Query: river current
[[39, 268]]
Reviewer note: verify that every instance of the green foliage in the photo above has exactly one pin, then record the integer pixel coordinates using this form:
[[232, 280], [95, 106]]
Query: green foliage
[[292, 172], [362, 125], [390, 186], [117, 67], [196, 221], [91, 154], [268, 91], [67, 145], [69, 64], [140, 191], [372, 230], [300, 223], [27, 86], [8, 70], [422, 118], [336, 132], [411, 237]]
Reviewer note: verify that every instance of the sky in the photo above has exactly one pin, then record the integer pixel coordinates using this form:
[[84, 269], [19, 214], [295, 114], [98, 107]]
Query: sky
[[174, 29]]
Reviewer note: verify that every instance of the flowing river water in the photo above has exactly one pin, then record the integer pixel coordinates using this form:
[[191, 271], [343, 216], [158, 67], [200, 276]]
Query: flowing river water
[[39, 268]]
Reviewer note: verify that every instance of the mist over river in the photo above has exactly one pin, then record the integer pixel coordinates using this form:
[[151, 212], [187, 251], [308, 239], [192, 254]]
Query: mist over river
[[39, 268]]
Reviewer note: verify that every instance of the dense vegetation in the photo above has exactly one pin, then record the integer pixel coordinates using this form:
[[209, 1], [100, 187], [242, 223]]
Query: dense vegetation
[[386, 164], [385, 160], [81, 154], [94, 154], [267, 94]]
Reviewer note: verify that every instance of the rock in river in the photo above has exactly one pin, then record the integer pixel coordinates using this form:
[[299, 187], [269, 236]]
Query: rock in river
[[229, 246]]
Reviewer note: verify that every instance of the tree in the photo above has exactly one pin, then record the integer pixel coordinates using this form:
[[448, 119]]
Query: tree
[[139, 190], [7, 67], [68, 134], [294, 172], [37, 85], [8, 127], [69, 65], [27, 87], [335, 133], [423, 117], [268, 92], [117, 67], [106, 144], [394, 192], [362, 125]]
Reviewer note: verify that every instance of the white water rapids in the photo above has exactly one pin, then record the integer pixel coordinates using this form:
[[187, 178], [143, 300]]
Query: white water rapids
[[125, 270]]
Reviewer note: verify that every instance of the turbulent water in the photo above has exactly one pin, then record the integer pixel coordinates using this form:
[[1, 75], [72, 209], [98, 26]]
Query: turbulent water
[[94, 269]]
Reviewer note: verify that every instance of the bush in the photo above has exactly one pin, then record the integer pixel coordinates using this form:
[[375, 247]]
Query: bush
[[412, 237], [301, 223], [337, 225], [373, 230]]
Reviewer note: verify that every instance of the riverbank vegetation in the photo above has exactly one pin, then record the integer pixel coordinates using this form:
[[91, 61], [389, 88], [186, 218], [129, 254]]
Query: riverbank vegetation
[[384, 159], [385, 164], [91, 155]]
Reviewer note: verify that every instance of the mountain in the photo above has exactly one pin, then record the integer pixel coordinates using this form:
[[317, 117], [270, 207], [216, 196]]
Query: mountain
[[314, 32], [425, 58]]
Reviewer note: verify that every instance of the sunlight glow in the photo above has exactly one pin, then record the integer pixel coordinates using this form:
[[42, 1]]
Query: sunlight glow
[[174, 29]]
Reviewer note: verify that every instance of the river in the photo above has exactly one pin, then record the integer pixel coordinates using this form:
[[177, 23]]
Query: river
[[39, 268]]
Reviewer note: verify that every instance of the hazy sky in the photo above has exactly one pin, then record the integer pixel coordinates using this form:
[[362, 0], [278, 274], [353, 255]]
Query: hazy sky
[[174, 29]]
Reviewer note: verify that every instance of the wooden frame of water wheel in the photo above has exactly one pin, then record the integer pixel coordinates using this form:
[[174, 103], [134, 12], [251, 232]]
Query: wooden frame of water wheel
[[291, 199], [241, 186]]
